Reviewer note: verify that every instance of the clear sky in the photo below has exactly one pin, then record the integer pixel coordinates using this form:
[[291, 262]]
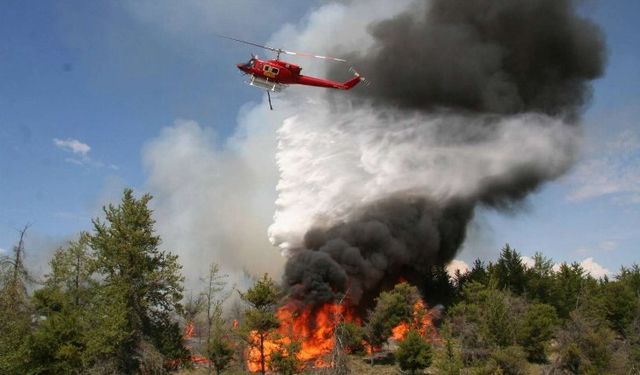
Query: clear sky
[[85, 85]]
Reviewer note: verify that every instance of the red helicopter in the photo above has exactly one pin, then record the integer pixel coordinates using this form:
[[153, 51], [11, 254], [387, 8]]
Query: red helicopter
[[275, 75]]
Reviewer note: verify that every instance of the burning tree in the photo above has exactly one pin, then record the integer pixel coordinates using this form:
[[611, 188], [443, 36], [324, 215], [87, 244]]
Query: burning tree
[[299, 335], [261, 320], [284, 360], [217, 346], [396, 312]]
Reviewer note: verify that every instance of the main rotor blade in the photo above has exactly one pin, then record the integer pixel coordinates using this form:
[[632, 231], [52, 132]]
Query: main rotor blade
[[280, 50], [316, 56], [250, 43]]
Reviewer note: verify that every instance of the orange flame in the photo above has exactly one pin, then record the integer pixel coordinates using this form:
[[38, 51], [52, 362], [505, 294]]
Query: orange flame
[[422, 321], [189, 330], [312, 328]]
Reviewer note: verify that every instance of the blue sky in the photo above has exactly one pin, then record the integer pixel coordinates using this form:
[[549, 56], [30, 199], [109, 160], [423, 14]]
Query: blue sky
[[84, 86]]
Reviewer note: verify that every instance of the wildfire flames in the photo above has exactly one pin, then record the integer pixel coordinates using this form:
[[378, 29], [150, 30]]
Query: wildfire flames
[[188, 334], [315, 329], [422, 321]]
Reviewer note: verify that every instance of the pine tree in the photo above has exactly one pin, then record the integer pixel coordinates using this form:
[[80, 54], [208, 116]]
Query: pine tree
[[440, 286], [218, 344], [213, 297], [285, 360], [15, 310], [448, 359], [510, 271], [477, 273], [414, 353], [260, 318], [392, 308], [567, 289], [141, 289], [536, 329], [220, 351], [540, 279], [57, 343]]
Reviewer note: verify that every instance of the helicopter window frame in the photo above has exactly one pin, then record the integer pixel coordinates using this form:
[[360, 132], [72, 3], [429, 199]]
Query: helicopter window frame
[[267, 68], [275, 71]]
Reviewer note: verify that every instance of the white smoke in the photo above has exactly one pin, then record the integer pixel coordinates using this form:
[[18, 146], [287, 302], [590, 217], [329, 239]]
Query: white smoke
[[334, 160], [213, 201]]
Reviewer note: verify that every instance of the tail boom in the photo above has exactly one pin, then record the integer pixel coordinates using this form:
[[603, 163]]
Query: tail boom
[[313, 81]]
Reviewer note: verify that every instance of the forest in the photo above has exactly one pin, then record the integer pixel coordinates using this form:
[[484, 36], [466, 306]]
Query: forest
[[114, 302]]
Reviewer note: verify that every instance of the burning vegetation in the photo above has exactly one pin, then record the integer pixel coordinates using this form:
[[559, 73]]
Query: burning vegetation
[[314, 335]]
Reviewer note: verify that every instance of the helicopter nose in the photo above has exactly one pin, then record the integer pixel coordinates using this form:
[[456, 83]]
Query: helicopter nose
[[241, 67]]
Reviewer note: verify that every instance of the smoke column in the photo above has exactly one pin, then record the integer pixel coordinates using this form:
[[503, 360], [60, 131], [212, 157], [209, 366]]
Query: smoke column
[[473, 102]]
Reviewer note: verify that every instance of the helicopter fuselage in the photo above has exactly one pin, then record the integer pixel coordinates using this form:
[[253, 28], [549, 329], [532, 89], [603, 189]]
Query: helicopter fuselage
[[273, 74]]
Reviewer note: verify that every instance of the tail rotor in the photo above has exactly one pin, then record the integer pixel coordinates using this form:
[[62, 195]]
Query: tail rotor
[[363, 80]]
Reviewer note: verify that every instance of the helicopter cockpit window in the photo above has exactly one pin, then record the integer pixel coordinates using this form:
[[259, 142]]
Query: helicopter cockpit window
[[251, 63]]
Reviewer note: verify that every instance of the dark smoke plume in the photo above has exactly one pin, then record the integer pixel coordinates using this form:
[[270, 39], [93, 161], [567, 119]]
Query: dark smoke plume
[[496, 56], [397, 236], [475, 63]]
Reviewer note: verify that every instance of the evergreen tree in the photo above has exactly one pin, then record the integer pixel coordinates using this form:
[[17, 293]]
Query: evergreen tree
[[285, 360], [500, 318], [413, 353], [260, 318], [510, 360], [620, 305], [448, 359], [567, 288], [72, 271], [631, 277], [15, 310], [510, 271], [141, 289], [220, 351], [439, 286], [376, 330], [633, 341], [477, 273], [585, 346], [391, 309], [57, 342], [397, 305], [540, 279], [352, 337], [535, 330], [213, 297], [484, 321]]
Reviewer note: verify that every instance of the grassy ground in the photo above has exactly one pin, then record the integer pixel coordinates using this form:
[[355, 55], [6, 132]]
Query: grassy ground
[[358, 366]]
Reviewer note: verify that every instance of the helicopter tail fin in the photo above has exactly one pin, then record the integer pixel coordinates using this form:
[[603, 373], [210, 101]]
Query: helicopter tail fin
[[353, 81]]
